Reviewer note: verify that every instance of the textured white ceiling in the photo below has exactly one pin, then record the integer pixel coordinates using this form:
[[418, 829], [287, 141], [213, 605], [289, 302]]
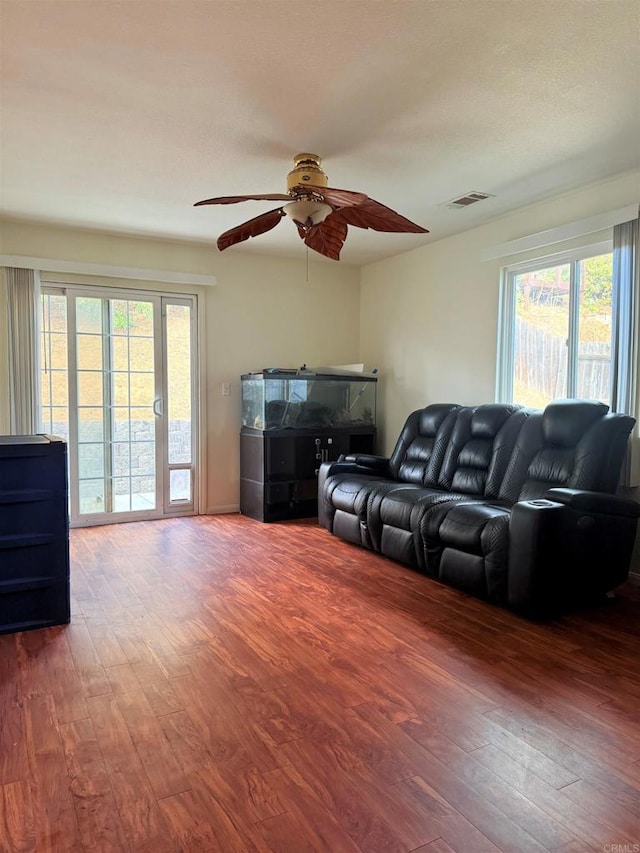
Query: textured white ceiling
[[120, 115]]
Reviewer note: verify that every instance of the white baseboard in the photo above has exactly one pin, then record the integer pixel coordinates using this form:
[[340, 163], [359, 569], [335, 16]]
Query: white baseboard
[[222, 510], [634, 577]]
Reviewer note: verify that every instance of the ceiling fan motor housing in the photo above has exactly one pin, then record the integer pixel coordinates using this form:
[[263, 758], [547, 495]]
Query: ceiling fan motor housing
[[306, 170]]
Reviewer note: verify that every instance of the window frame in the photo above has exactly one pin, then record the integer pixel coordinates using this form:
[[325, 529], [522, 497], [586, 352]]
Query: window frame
[[507, 313]]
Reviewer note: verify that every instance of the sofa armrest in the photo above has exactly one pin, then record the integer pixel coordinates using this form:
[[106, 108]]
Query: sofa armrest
[[533, 557], [342, 466], [595, 502], [378, 464], [569, 550], [326, 470]]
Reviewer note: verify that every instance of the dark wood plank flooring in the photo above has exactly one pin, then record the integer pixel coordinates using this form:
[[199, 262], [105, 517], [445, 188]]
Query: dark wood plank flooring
[[226, 685]]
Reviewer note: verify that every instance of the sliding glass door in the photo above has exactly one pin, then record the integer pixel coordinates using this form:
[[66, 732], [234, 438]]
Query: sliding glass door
[[118, 381]]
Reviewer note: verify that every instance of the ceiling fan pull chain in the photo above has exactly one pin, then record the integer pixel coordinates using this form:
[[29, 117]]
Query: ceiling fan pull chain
[[307, 263]]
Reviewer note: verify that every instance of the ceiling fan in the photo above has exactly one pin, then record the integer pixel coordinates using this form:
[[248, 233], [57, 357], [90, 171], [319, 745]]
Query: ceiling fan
[[321, 214]]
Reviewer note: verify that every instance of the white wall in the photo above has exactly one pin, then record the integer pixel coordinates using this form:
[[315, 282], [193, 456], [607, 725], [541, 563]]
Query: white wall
[[261, 313], [429, 317]]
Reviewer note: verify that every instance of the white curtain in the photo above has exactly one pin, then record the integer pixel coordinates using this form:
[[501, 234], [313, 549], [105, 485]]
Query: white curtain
[[625, 394], [23, 310]]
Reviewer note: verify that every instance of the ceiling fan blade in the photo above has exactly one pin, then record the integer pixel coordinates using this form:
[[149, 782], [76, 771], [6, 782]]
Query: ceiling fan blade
[[252, 228], [233, 199], [378, 217], [328, 237], [337, 198]]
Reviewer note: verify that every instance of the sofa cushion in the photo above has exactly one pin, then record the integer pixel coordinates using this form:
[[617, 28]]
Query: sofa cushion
[[456, 536], [419, 451], [564, 425], [479, 448], [347, 493], [401, 509], [477, 455], [463, 526], [571, 444], [600, 452], [350, 493], [564, 422], [417, 457]]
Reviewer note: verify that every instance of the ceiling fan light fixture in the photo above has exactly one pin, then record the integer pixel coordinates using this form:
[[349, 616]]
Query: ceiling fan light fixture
[[307, 212]]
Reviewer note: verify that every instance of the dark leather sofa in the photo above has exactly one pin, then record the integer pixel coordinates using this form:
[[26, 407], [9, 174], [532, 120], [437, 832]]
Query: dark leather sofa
[[514, 506]]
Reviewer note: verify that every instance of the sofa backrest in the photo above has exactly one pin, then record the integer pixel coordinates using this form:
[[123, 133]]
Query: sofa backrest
[[419, 451], [479, 449], [508, 453], [461, 449], [573, 444]]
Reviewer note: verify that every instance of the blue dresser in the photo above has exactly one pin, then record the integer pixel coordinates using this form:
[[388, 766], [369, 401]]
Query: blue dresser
[[34, 532]]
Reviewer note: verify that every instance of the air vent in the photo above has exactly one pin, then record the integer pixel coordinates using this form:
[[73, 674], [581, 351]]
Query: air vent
[[467, 200]]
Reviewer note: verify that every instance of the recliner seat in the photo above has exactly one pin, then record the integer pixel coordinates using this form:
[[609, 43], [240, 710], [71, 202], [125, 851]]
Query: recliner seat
[[344, 490], [472, 466]]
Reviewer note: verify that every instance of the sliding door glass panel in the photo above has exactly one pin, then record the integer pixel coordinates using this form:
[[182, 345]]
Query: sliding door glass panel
[[541, 334], [115, 393], [90, 425], [91, 460], [89, 352], [179, 392], [178, 337], [90, 388], [122, 494], [595, 277], [133, 376], [93, 496]]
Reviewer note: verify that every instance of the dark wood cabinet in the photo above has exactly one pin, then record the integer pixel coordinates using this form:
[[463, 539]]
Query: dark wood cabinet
[[34, 533], [279, 468]]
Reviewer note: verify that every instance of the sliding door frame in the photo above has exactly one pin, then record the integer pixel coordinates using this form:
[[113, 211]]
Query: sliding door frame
[[159, 299]]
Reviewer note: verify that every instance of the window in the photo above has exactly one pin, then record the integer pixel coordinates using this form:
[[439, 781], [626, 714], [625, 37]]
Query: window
[[556, 328]]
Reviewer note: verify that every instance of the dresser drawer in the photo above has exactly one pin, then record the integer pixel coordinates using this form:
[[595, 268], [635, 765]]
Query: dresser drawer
[[33, 606]]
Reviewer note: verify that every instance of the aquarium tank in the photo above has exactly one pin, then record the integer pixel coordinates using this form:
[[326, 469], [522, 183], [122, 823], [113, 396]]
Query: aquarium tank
[[279, 398]]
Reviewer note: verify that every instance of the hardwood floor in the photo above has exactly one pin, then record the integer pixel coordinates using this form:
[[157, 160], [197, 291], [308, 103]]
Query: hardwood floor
[[226, 685]]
